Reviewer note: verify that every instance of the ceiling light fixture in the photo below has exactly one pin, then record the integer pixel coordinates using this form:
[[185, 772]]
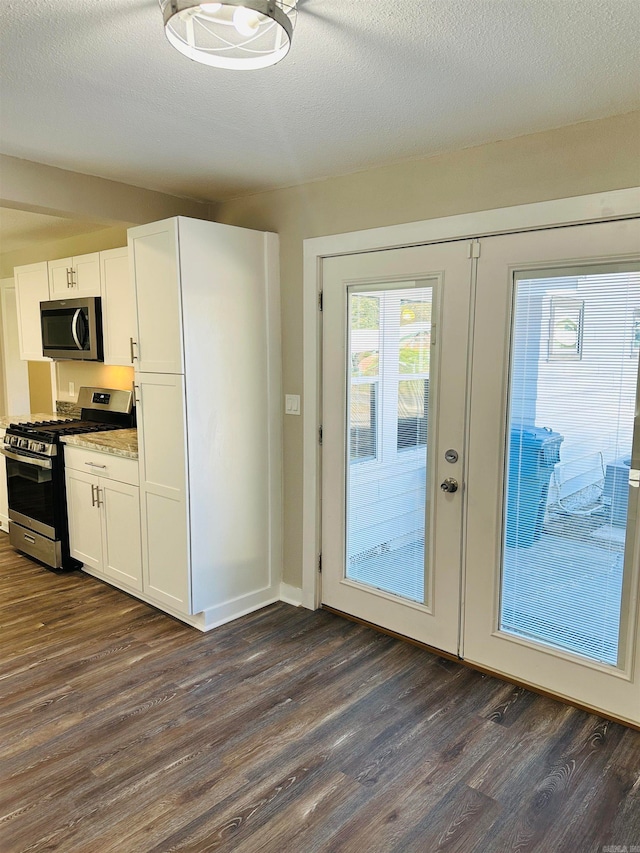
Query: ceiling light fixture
[[236, 34]]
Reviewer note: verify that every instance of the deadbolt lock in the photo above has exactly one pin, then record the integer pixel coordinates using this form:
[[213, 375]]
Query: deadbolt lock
[[449, 485]]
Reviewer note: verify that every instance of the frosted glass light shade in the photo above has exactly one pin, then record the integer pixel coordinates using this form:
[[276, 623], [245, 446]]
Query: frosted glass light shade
[[236, 34]]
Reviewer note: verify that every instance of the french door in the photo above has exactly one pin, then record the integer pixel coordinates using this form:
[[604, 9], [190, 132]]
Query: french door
[[552, 489], [480, 465], [395, 333]]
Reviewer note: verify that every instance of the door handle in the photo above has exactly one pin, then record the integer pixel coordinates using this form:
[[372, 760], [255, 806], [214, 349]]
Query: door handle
[[93, 495], [28, 460], [449, 485], [133, 344], [74, 327]]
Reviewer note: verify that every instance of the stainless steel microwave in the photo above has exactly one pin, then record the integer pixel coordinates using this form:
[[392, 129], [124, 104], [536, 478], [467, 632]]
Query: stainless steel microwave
[[72, 328]]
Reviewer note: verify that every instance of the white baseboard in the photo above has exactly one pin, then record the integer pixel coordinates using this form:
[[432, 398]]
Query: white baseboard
[[215, 616], [230, 610], [291, 595]]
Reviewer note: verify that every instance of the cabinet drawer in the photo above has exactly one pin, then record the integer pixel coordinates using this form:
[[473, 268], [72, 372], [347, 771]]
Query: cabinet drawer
[[102, 464]]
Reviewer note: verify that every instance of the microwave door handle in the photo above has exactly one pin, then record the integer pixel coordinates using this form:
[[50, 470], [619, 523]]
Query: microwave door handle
[[74, 327]]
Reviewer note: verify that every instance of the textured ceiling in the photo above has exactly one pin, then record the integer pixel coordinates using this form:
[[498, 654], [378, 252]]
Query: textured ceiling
[[93, 86]]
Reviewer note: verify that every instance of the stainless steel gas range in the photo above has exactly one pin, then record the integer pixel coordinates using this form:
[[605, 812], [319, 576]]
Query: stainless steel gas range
[[35, 474]]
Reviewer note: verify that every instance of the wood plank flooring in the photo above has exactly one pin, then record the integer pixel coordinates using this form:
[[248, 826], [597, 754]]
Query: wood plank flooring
[[125, 730]]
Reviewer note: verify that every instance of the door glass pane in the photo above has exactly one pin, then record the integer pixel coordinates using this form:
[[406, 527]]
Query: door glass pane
[[364, 359], [574, 375], [389, 356]]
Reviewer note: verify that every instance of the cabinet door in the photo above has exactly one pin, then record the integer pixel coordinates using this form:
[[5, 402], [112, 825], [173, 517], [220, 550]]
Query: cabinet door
[[163, 489], [32, 288], [120, 504], [118, 307], [155, 272], [85, 526], [60, 281], [86, 275]]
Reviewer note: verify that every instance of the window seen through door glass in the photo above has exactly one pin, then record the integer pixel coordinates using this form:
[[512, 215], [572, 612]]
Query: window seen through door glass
[[413, 358], [389, 360], [365, 365]]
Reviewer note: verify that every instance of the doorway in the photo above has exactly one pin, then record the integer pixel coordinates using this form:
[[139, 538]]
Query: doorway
[[496, 375]]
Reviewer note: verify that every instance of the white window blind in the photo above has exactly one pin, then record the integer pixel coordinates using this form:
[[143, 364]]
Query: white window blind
[[573, 386]]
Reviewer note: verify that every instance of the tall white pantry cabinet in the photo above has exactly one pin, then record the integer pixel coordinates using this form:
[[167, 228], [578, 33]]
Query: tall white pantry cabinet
[[208, 394]]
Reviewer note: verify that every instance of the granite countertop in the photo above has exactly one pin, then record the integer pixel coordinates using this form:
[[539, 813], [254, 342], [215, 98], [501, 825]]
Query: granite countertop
[[118, 442]]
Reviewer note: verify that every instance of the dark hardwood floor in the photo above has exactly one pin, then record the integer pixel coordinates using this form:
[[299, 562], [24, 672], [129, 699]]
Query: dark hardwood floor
[[124, 730]]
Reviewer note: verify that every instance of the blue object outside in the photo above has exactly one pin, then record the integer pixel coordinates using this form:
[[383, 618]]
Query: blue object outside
[[533, 453]]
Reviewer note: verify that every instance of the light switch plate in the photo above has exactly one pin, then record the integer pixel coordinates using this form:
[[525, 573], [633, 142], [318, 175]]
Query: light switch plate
[[292, 404]]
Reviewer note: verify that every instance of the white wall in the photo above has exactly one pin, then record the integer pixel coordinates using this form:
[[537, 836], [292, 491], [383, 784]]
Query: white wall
[[591, 157]]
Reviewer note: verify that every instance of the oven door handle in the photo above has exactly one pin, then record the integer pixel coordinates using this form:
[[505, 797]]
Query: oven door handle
[[74, 327], [28, 460]]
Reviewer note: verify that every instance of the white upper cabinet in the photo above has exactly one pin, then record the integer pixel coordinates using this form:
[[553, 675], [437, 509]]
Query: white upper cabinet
[[154, 258], [32, 288], [74, 277], [104, 274], [118, 307]]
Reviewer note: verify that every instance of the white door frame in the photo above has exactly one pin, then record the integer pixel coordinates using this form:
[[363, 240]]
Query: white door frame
[[599, 207]]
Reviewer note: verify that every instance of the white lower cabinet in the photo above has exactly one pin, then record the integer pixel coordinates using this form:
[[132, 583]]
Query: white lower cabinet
[[163, 489], [103, 503]]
